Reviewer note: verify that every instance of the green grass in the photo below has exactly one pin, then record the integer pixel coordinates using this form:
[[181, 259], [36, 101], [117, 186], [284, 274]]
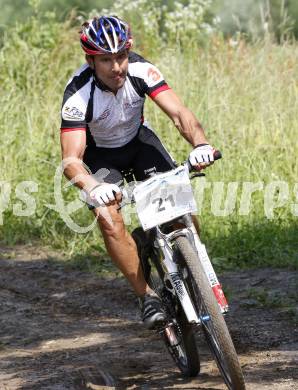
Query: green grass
[[246, 97], [266, 298]]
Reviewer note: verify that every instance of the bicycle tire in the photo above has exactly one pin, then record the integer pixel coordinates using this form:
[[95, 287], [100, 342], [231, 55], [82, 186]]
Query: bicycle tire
[[184, 353], [213, 324]]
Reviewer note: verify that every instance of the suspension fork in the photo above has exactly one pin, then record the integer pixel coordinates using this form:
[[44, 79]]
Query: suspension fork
[[173, 275], [209, 270]]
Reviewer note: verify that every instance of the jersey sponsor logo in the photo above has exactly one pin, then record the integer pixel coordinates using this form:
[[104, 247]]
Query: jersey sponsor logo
[[72, 113], [153, 74], [132, 104], [104, 115], [136, 102]]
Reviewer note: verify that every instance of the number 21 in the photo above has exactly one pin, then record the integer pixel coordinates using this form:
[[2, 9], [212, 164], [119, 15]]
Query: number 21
[[161, 201]]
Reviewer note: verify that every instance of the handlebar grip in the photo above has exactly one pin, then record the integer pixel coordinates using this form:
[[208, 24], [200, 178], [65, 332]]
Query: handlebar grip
[[217, 155]]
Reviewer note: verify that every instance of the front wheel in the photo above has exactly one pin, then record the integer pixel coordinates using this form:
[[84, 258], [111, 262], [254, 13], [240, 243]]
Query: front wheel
[[178, 335], [213, 323]]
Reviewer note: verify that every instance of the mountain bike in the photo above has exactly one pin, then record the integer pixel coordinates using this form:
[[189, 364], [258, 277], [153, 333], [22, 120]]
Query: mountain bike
[[177, 267]]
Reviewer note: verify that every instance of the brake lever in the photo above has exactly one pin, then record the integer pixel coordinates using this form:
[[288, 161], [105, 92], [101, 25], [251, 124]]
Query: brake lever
[[199, 174]]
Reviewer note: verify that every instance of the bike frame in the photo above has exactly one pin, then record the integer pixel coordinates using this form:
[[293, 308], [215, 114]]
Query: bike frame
[[163, 241]]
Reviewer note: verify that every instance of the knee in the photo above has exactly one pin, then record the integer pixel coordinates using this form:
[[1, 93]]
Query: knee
[[111, 223]]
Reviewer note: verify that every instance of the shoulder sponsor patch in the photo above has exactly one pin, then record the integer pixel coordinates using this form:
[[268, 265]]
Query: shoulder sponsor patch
[[72, 113], [153, 74]]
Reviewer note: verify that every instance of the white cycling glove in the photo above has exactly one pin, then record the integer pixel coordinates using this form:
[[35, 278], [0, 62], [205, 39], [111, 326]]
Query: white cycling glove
[[103, 194], [202, 153]]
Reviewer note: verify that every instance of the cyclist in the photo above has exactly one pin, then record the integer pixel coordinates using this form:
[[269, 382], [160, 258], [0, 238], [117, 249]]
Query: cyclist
[[103, 128]]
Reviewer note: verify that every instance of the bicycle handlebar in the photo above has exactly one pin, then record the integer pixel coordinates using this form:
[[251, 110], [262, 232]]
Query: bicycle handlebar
[[217, 156]]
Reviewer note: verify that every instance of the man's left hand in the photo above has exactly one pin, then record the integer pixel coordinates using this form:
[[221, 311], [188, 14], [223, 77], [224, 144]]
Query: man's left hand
[[201, 156]]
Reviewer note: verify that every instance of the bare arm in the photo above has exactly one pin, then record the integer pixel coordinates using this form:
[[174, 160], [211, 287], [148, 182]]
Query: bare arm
[[73, 144], [183, 118]]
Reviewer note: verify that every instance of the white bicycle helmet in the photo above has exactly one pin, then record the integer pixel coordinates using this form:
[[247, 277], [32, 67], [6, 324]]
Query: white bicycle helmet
[[105, 35]]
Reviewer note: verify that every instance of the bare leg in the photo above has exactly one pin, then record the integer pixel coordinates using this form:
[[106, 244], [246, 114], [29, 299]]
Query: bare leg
[[121, 247]]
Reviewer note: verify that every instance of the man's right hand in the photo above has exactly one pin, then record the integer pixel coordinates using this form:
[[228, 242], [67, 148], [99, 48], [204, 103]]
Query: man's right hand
[[105, 194]]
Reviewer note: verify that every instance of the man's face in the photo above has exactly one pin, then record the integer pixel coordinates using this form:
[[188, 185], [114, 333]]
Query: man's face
[[111, 69]]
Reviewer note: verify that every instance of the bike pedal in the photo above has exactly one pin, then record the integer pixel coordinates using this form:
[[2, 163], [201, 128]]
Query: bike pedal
[[159, 327]]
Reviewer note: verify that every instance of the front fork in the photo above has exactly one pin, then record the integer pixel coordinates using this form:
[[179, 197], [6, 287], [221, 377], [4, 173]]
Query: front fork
[[176, 282], [209, 271]]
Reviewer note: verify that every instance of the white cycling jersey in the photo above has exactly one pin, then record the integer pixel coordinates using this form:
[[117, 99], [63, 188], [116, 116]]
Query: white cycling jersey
[[110, 120]]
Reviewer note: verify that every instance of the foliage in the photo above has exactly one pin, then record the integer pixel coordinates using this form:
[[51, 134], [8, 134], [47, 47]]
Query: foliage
[[257, 18], [252, 17], [245, 94], [183, 24]]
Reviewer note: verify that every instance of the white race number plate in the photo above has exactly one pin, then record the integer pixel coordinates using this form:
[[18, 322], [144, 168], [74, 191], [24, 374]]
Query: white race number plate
[[164, 197]]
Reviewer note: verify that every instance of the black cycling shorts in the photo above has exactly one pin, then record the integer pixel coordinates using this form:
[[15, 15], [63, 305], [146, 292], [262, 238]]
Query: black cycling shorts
[[141, 156]]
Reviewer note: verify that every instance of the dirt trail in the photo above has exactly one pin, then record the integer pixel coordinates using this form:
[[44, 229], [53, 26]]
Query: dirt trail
[[63, 329]]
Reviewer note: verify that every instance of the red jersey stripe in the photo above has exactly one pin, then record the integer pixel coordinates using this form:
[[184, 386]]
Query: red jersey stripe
[[158, 90]]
